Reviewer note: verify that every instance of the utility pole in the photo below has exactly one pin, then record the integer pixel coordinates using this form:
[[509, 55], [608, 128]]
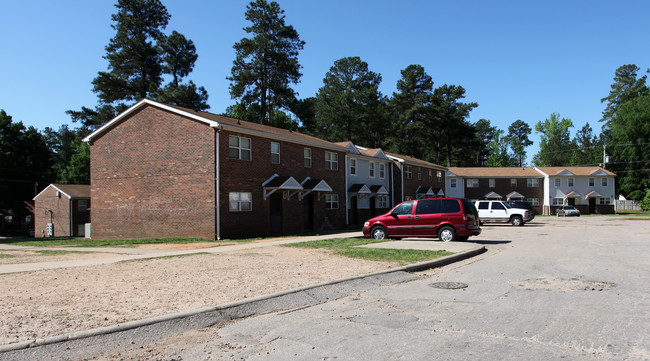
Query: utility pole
[[605, 157]]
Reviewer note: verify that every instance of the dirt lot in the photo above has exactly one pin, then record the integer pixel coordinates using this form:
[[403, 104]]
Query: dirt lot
[[47, 303]]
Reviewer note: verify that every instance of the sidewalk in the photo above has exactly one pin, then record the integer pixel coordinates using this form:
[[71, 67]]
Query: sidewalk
[[127, 254]]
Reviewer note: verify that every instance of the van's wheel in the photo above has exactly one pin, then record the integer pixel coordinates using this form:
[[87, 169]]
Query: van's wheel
[[447, 234], [517, 221], [378, 233]]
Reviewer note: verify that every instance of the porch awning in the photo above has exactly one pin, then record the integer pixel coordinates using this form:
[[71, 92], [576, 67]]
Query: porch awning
[[314, 185], [361, 190], [492, 195], [378, 190], [572, 194], [514, 195], [439, 191], [276, 183], [592, 194], [423, 192]]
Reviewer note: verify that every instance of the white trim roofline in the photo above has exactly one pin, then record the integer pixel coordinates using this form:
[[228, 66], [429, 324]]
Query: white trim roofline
[[55, 187], [141, 104]]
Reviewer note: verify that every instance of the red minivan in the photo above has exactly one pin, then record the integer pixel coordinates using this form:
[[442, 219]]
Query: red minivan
[[449, 219]]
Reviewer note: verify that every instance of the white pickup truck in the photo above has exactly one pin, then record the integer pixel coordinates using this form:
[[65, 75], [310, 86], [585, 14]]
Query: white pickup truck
[[498, 211]]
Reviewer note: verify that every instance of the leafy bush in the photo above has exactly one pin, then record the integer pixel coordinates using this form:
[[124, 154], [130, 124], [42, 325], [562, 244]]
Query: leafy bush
[[645, 203], [636, 195]]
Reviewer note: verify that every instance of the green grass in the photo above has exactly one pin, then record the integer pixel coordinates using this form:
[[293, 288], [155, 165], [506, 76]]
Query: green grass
[[6, 255], [57, 252], [83, 242], [634, 213], [347, 247]]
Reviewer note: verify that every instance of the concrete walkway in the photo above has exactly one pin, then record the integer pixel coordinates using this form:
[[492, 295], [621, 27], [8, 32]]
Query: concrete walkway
[[119, 254]]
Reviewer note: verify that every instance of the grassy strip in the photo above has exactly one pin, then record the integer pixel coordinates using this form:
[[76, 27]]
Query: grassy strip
[[347, 247], [6, 255], [83, 242], [57, 252]]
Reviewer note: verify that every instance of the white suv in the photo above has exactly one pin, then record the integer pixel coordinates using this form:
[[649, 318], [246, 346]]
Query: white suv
[[498, 211]]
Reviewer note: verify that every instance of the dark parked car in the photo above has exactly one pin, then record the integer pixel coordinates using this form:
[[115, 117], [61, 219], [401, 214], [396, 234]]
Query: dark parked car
[[565, 211], [448, 219], [522, 204]]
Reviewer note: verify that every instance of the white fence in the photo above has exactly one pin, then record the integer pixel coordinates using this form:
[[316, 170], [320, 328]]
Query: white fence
[[628, 205]]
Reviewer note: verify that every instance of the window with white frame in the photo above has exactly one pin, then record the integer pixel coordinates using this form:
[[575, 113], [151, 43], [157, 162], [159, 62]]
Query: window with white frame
[[592, 182], [439, 176], [307, 157], [513, 182], [533, 201], [558, 182], [241, 201], [558, 201], [472, 183], [570, 182], [382, 170], [331, 201], [275, 153], [381, 201], [492, 182], [371, 169], [452, 183], [605, 201], [532, 182], [408, 172], [353, 166], [239, 148], [603, 182], [419, 173], [331, 161]]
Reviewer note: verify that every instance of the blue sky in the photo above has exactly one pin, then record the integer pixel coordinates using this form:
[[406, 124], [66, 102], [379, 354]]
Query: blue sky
[[516, 59]]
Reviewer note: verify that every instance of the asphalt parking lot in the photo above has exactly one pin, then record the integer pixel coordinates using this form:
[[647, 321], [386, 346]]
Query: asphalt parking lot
[[567, 287]]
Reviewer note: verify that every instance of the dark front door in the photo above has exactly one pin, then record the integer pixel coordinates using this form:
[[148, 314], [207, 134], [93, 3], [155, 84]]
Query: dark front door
[[276, 213], [373, 207], [592, 205], [308, 202], [572, 201], [354, 216]]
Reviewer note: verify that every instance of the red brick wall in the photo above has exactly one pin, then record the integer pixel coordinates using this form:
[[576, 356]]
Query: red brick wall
[[411, 185], [248, 176], [60, 207], [152, 175]]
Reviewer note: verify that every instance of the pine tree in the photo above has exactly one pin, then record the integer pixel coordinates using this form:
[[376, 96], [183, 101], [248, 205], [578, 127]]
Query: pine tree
[[266, 64]]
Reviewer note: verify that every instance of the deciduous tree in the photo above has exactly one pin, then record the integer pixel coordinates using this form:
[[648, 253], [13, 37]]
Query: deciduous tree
[[517, 137], [555, 146]]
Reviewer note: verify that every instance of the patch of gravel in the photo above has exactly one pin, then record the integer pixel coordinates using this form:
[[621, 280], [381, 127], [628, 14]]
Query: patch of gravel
[[48, 303]]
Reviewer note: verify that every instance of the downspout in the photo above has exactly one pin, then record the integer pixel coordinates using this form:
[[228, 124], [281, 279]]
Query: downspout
[[402, 175], [347, 221], [392, 186], [71, 206], [217, 208]]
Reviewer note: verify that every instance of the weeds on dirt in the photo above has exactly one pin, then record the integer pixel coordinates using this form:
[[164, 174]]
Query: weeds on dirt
[[348, 247]]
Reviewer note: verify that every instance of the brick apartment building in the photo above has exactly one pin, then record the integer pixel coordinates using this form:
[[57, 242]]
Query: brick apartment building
[[590, 189], [414, 178], [62, 210], [497, 183], [164, 171]]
